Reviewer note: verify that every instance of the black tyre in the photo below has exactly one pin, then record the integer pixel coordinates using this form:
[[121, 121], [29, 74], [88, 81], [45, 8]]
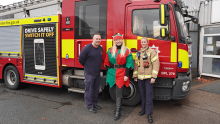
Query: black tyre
[[131, 94], [12, 78]]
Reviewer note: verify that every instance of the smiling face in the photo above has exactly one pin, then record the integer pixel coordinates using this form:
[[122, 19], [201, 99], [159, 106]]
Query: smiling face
[[118, 42], [96, 40], [144, 43]]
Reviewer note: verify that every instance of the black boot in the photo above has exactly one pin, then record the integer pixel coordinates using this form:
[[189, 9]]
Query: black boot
[[118, 109], [150, 119]]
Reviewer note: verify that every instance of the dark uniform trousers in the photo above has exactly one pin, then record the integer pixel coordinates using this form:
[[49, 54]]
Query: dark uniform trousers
[[146, 89], [92, 85]]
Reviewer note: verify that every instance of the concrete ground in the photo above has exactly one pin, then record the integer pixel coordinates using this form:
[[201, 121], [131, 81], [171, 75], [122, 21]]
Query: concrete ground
[[200, 107], [38, 104]]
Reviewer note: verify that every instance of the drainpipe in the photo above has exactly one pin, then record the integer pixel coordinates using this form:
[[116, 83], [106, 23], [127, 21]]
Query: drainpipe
[[198, 75]]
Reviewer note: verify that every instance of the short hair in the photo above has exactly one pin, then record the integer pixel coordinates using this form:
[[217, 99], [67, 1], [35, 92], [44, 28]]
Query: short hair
[[97, 33], [145, 39]]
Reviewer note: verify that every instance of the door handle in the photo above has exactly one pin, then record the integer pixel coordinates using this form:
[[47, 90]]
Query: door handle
[[79, 47]]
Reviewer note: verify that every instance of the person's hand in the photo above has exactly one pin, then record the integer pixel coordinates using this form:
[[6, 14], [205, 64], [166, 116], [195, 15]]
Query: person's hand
[[125, 78], [152, 80], [135, 79]]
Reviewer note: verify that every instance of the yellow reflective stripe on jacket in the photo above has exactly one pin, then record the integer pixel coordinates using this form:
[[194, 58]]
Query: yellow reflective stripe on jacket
[[144, 76], [136, 62], [135, 72], [147, 76], [155, 58], [156, 72]]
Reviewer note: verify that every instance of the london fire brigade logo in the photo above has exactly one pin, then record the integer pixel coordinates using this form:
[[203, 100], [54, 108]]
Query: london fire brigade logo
[[156, 49]]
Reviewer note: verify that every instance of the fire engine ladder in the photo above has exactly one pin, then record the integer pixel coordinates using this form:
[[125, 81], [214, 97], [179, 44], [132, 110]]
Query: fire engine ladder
[[24, 6]]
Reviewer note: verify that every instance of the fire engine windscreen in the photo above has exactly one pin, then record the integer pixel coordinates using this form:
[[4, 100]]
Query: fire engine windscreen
[[146, 23]]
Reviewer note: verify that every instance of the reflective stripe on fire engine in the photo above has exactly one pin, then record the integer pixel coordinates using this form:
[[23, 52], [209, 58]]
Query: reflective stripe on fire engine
[[156, 72], [21, 40], [58, 71], [155, 58], [68, 48], [12, 54], [139, 38], [173, 52], [108, 44], [29, 21], [184, 58], [41, 78], [135, 72]]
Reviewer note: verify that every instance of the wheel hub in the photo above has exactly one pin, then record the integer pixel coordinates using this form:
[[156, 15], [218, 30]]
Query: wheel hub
[[11, 77]]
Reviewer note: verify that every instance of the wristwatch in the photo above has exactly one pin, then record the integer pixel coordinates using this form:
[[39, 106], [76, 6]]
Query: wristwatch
[[153, 78]]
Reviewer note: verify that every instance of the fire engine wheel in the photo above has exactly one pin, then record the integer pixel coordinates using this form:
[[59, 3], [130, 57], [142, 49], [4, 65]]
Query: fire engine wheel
[[131, 94], [11, 78]]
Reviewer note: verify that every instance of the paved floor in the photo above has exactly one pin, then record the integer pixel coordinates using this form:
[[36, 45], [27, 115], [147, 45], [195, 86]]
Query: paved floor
[[38, 104], [200, 107]]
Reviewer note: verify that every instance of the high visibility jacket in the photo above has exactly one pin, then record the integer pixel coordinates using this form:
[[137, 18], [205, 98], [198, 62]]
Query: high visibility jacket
[[145, 73]]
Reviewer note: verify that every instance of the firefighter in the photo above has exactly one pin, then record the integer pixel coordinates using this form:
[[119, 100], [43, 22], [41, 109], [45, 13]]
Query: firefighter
[[145, 72], [118, 62], [91, 57]]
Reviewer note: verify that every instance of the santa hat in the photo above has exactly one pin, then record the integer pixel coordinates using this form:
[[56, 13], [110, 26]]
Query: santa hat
[[117, 36]]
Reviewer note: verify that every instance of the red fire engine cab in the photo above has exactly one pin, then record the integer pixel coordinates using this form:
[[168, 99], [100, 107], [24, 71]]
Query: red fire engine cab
[[41, 40]]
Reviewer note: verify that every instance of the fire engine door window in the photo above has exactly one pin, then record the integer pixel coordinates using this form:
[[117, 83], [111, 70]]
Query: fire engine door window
[[183, 31], [146, 23], [90, 17]]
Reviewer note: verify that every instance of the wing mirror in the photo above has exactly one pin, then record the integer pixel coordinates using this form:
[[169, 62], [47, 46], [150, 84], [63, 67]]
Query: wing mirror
[[163, 14]]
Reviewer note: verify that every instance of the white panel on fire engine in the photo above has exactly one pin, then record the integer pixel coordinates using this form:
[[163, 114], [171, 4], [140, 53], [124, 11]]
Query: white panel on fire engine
[[215, 11], [10, 41]]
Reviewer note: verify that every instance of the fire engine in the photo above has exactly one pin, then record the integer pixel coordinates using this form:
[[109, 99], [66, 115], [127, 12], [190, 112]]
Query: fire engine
[[41, 40]]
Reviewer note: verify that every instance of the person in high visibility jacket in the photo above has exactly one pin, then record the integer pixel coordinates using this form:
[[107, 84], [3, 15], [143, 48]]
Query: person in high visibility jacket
[[145, 72], [119, 62]]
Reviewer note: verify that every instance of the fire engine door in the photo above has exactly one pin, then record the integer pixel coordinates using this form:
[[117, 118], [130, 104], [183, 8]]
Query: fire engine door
[[143, 21], [90, 17]]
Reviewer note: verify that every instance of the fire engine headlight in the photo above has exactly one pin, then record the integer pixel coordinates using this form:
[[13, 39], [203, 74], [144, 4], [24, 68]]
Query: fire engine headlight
[[185, 85]]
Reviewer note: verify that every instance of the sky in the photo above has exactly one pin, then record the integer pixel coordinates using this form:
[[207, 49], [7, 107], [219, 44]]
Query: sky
[[6, 2]]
